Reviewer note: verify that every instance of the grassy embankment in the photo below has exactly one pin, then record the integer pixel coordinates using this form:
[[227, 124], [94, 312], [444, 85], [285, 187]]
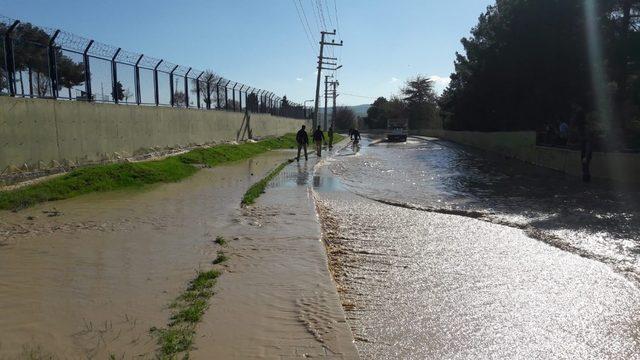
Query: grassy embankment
[[109, 177]]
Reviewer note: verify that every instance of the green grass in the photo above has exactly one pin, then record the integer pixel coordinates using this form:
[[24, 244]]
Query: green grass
[[188, 309], [257, 189], [224, 153], [220, 258], [109, 177], [220, 240]]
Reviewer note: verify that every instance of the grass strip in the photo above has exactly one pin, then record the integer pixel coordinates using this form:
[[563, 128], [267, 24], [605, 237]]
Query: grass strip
[[257, 189], [187, 311], [109, 177]]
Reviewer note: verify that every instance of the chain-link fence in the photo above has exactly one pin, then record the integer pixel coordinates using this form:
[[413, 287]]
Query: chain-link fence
[[38, 62]]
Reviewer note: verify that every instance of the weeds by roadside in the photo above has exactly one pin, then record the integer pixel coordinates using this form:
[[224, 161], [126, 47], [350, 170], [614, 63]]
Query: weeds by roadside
[[188, 309], [220, 240], [220, 258], [257, 189]]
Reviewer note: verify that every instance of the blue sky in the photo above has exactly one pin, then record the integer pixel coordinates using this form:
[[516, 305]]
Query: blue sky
[[263, 43]]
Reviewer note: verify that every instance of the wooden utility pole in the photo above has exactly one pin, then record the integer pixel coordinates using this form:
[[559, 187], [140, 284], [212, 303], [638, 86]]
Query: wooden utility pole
[[321, 62]]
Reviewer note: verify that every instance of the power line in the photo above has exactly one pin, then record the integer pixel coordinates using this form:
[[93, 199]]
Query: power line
[[335, 7], [326, 6], [359, 96], [307, 21], [321, 12], [306, 32], [316, 16]]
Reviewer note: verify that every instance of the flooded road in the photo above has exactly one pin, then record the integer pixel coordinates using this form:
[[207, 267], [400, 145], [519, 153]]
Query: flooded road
[[92, 280], [440, 252]]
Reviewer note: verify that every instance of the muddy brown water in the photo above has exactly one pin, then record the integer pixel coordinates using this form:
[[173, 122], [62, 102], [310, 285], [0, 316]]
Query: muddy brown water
[[94, 279], [442, 253]]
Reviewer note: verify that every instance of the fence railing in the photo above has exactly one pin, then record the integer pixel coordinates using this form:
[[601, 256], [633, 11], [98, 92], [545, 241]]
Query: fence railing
[[39, 62]]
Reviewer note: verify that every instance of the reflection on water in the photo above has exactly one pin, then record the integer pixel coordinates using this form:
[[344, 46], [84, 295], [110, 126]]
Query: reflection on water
[[598, 220], [423, 284], [303, 174]]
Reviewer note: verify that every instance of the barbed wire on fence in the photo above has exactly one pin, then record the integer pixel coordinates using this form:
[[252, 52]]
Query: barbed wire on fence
[[39, 62]]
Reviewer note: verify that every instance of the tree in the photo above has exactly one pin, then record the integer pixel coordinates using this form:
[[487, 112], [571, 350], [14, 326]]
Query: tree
[[70, 73], [208, 94], [527, 64], [421, 103], [119, 92], [30, 53], [179, 99], [376, 114], [345, 118]]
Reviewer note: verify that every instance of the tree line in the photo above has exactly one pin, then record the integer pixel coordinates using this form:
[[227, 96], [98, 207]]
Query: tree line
[[417, 103], [530, 65]]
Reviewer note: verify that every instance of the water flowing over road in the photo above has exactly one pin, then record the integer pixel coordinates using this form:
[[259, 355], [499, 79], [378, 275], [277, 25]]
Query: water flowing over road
[[440, 251]]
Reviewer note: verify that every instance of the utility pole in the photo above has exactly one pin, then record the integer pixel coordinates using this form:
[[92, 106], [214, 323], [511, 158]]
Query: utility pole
[[335, 95], [326, 95], [321, 62]]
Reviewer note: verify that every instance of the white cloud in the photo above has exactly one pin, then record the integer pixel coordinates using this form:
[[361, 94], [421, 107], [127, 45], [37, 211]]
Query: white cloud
[[440, 80], [298, 79], [394, 80], [440, 83]]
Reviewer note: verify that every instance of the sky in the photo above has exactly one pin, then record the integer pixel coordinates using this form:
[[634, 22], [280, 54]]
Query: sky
[[263, 43]]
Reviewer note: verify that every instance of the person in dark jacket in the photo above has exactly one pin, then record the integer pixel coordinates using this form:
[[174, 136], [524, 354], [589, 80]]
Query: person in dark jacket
[[318, 139], [303, 140]]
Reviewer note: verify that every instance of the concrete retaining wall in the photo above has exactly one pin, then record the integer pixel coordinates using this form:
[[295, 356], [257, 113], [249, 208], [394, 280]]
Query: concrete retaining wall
[[34, 131], [624, 167]]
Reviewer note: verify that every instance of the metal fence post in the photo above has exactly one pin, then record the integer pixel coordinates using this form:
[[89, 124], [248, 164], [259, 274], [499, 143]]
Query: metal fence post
[[114, 77], [186, 88], [136, 79], [240, 96], [233, 94], [198, 90], [218, 93], [156, 94], [87, 72], [226, 95], [172, 99], [53, 68], [10, 65], [209, 92]]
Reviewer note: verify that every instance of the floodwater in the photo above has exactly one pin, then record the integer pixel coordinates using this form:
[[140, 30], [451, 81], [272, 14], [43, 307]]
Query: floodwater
[[442, 252], [276, 299], [88, 277]]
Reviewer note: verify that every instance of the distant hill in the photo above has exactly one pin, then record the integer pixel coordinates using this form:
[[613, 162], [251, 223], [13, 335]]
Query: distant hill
[[359, 110]]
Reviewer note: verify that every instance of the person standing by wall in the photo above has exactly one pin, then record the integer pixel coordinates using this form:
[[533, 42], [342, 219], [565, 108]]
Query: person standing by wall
[[318, 139], [303, 140]]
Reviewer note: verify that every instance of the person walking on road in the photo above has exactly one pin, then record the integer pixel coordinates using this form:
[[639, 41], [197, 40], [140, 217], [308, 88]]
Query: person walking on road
[[318, 139], [303, 140], [330, 134]]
